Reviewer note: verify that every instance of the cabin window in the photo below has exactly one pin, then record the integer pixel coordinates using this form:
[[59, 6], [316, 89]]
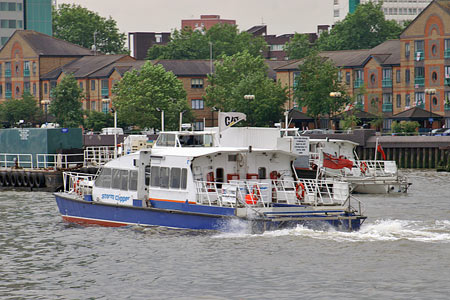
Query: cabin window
[[175, 176], [232, 157], [147, 175], [164, 177], [104, 179], [115, 179], [167, 140], [133, 179], [183, 178], [124, 180], [155, 176], [219, 175], [262, 173]]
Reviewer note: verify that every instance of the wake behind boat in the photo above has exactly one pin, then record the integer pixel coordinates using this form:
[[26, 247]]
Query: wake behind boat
[[206, 188]]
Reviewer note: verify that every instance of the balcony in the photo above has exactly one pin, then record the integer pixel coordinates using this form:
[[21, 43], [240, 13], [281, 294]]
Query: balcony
[[447, 106], [447, 81], [8, 94], [421, 105], [418, 55], [26, 72], [387, 82], [358, 83], [419, 81], [7, 73], [387, 107], [447, 53], [105, 92]]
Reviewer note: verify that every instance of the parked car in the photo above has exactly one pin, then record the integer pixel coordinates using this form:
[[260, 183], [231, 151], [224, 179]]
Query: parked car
[[444, 132]]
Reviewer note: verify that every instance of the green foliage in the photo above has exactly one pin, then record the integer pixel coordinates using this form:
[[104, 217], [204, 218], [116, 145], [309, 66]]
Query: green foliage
[[194, 44], [97, 120], [243, 74], [299, 47], [350, 122], [363, 29], [317, 79], [405, 127], [78, 25], [139, 94], [26, 108], [66, 103], [378, 121]]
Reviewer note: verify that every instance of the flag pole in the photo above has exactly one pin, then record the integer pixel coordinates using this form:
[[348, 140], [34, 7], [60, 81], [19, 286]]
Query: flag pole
[[376, 149]]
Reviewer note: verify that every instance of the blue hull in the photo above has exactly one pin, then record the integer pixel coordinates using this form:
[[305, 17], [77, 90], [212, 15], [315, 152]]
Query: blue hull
[[178, 215]]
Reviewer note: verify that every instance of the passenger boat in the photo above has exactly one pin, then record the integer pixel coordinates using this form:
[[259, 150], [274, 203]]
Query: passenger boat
[[364, 176], [206, 188]]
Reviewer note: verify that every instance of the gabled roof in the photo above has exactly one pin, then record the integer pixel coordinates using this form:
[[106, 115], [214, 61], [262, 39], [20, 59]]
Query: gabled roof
[[45, 45], [296, 114], [347, 58], [444, 4], [416, 113], [84, 66], [179, 67], [387, 53]]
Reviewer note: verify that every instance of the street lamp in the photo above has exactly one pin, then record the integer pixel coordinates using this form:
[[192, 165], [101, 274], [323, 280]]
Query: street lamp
[[430, 92], [108, 101], [45, 102], [335, 95], [249, 98], [162, 118]]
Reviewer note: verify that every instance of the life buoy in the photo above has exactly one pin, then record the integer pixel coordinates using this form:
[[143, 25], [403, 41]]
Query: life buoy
[[274, 175], [300, 191], [254, 196], [76, 187], [363, 167]]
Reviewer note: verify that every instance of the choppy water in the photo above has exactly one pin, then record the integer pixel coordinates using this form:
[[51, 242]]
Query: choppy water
[[401, 252]]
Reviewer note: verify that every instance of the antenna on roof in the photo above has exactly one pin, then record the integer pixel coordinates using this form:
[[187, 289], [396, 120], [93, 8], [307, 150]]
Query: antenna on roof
[[94, 47]]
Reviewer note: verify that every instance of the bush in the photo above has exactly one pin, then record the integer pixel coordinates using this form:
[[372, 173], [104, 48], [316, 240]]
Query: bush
[[405, 127]]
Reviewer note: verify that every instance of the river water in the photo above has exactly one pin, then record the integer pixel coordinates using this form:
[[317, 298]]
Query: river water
[[401, 252]]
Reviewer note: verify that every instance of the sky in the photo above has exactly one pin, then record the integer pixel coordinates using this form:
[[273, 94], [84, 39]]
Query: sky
[[280, 16]]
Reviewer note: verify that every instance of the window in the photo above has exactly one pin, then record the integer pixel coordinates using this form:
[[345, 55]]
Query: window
[[447, 46], [104, 179], [418, 47], [93, 105], [158, 38], [19, 24], [420, 99], [197, 104], [199, 125], [4, 23], [296, 79], [387, 98], [360, 100], [407, 101], [276, 47], [11, 23], [45, 88], [183, 178], [19, 6], [34, 68], [197, 83], [11, 6], [81, 85], [1, 90], [1, 70], [26, 68], [26, 87], [434, 49], [133, 179], [124, 180], [397, 76], [407, 76], [115, 179], [347, 77], [154, 174], [435, 101], [175, 178], [340, 76], [399, 101], [262, 173], [434, 76], [164, 177], [336, 13], [407, 50], [92, 85], [34, 89], [419, 72]]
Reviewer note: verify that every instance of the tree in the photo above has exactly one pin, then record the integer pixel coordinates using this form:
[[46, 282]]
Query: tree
[[243, 74], [225, 39], [139, 94], [299, 46], [26, 109], [81, 26], [317, 79], [66, 102], [363, 29], [97, 120]]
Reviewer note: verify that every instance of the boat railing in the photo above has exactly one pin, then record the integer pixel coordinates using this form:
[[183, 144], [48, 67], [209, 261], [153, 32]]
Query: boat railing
[[375, 168], [251, 193], [59, 161], [354, 205], [310, 192], [78, 183], [234, 193], [14, 160], [98, 155]]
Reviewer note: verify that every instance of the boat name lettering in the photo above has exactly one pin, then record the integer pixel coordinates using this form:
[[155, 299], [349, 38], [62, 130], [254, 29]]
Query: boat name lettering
[[115, 197], [229, 120]]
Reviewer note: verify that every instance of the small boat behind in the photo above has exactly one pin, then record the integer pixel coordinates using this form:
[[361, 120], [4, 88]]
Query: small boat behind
[[207, 189]]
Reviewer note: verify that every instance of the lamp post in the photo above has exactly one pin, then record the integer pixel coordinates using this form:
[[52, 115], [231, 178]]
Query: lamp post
[[181, 118], [249, 98], [108, 101], [45, 102], [162, 118], [430, 92], [335, 95]]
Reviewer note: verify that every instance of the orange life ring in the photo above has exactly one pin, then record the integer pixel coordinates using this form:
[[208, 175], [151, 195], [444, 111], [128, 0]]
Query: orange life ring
[[76, 187], [254, 196], [363, 167], [300, 193]]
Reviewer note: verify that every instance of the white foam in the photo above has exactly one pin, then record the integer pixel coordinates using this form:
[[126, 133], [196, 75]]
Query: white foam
[[380, 230]]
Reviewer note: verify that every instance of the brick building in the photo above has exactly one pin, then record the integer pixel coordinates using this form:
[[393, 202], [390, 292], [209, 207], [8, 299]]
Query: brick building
[[205, 22]]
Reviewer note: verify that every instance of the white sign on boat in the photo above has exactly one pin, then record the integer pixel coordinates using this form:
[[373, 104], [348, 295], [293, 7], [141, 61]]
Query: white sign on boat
[[301, 145]]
